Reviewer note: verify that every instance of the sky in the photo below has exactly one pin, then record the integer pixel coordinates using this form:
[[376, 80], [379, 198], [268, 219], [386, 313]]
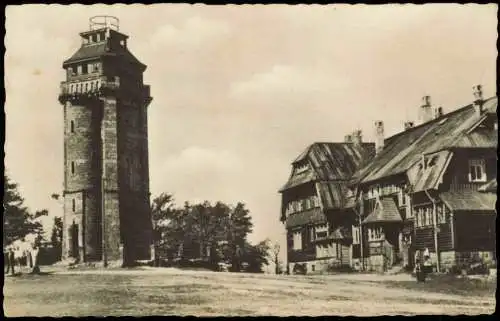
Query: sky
[[239, 91]]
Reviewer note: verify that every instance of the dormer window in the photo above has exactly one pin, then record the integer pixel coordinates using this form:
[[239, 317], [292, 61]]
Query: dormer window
[[477, 171], [432, 161], [301, 168]]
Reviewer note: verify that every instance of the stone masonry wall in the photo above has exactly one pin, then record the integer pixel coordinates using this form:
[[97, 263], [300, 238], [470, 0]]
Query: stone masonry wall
[[112, 233], [134, 180], [81, 175]]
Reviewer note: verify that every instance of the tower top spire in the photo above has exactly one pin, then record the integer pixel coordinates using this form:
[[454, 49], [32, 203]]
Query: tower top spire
[[103, 21]]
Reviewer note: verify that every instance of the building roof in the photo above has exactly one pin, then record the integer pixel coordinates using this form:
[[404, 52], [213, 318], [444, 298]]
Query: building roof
[[297, 179], [457, 129], [428, 175], [491, 186], [332, 195], [97, 50], [469, 201], [311, 216], [385, 211], [330, 161]]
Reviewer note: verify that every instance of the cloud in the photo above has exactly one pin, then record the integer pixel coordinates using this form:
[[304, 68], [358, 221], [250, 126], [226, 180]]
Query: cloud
[[198, 173], [195, 159], [282, 79], [195, 31]]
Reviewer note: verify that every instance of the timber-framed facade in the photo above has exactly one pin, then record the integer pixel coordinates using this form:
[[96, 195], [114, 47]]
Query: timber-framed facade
[[431, 186]]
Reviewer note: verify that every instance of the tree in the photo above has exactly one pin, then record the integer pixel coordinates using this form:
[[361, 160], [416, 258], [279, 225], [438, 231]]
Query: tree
[[162, 213], [17, 220], [256, 256], [240, 225], [56, 236], [276, 258]]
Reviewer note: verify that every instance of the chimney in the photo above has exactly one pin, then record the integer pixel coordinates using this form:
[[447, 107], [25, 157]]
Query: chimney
[[425, 109], [379, 136], [478, 99], [409, 125], [357, 137], [438, 112], [348, 138]]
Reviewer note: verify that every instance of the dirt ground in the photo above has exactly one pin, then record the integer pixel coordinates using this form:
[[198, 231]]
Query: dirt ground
[[168, 291]]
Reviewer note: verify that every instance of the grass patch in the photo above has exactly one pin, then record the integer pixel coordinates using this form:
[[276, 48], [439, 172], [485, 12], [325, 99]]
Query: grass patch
[[449, 284]]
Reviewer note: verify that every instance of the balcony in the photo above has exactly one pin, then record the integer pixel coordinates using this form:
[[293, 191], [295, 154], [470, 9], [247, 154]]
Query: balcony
[[92, 88]]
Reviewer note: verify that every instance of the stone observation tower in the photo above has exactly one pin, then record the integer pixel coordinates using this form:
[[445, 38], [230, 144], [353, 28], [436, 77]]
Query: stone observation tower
[[106, 174]]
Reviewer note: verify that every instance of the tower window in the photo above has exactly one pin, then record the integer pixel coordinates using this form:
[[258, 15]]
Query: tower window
[[72, 126], [73, 205], [72, 167]]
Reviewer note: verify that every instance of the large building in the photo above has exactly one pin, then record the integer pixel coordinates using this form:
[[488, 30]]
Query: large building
[[106, 176], [315, 204], [431, 186]]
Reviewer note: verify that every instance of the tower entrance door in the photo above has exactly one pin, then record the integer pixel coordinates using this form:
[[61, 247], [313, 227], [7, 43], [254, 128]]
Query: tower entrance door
[[73, 240]]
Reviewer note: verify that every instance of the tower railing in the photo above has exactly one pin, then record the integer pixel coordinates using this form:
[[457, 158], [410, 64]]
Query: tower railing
[[98, 87], [100, 22]]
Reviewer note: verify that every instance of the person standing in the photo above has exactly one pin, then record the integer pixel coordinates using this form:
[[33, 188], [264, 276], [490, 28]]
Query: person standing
[[6, 261], [18, 255], [34, 256], [12, 260]]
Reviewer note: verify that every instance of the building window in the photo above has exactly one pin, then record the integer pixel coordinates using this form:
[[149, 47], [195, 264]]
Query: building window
[[73, 205], [320, 235], [355, 235], [477, 171], [72, 126], [441, 218], [72, 167], [297, 240], [375, 234], [305, 204], [312, 234], [428, 216], [313, 267], [79, 70]]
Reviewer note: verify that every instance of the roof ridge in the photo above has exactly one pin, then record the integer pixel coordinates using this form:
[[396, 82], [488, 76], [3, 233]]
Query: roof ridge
[[446, 115]]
